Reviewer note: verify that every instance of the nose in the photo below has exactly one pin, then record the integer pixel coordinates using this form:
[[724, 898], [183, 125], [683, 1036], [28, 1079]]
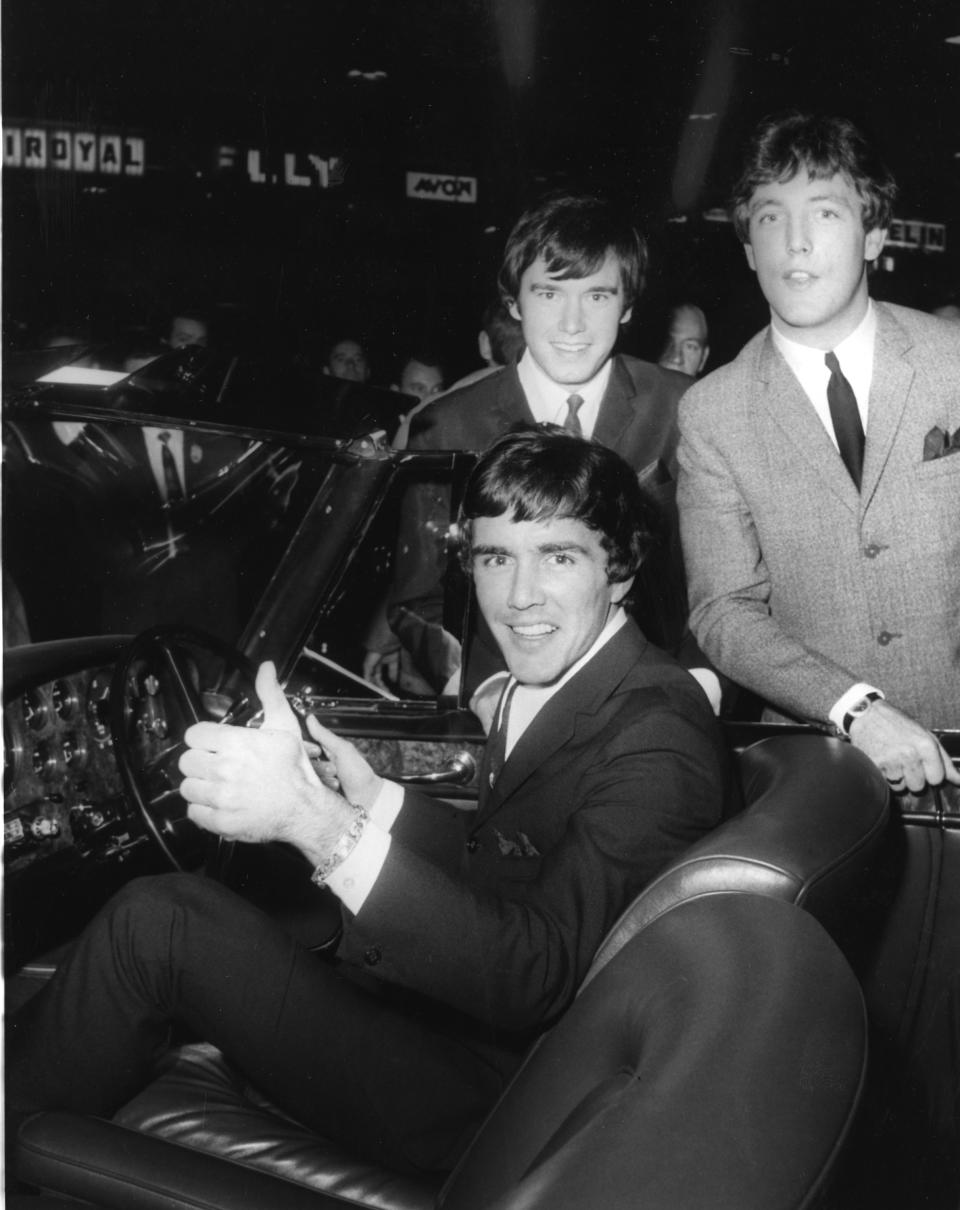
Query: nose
[[571, 320], [525, 587], [674, 354], [798, 236]]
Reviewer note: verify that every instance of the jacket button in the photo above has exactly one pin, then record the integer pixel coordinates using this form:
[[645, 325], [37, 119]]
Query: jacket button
[[473, 844], [372, 955], [871, 551], [884, 637]]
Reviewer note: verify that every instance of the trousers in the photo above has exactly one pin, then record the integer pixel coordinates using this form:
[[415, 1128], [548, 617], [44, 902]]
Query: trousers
[[178, 950]]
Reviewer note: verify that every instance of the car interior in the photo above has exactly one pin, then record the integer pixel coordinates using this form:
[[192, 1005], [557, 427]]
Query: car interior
[[768, 1025]]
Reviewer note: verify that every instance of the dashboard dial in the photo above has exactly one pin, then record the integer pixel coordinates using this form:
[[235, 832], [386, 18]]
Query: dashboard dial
[[66, 702], [36, 709], [98, 708]]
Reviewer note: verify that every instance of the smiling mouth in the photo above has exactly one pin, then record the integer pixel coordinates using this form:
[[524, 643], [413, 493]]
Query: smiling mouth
[[798, 277], [570, 350], [532, 630]]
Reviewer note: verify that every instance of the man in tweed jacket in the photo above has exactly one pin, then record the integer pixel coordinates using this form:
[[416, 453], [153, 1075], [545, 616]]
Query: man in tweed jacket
[[837, 603]]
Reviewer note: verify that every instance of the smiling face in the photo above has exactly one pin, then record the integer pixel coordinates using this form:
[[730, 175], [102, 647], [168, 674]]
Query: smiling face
[[542, 587], [809, 251], [570, 326]]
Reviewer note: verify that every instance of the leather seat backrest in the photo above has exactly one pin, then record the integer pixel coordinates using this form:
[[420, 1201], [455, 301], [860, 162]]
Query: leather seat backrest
[[811, 831]]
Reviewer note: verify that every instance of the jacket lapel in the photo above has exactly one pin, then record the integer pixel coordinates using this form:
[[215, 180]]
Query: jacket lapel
[[617, 408], [890, 386], [785, 401], [556, 723], [510, 405]]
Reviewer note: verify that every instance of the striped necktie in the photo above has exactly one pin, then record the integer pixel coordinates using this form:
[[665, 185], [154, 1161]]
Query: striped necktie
[[497, 745], [572, 423]]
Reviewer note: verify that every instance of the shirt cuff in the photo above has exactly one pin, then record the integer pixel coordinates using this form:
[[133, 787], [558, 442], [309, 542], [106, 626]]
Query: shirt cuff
[[355, 876], [385, 808], [843, 704], [709, 682]]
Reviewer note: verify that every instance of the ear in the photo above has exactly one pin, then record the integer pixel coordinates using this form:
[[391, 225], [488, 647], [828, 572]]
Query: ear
[[514, 310], [326, 370], [620, 590], [873, 244], [751, 260], [394, 387], [483, 346], [703, 358], [625, 317]]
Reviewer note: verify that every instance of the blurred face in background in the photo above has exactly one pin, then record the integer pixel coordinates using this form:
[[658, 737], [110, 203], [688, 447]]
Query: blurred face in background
[[186, 331], [421, 380], [686, 349], [347, 360]]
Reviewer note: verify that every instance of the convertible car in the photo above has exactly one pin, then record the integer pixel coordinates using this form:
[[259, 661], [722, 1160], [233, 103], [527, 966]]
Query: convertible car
[[775, 1022]]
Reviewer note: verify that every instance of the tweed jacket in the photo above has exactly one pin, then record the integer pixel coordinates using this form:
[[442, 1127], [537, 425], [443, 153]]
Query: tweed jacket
[[799, 585], [499, 912]]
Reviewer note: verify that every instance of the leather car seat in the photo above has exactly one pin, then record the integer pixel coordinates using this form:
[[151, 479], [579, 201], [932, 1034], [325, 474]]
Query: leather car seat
[[714, 1056]]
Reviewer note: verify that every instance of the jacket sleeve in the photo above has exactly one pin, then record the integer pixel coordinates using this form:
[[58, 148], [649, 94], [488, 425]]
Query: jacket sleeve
[[729, 585], [508, 938]]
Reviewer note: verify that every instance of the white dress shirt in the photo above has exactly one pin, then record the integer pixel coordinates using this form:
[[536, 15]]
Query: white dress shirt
[[548, 399], [154, 446], [855, 355]]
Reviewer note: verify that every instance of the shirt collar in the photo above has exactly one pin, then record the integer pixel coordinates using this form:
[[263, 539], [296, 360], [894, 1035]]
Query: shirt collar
[[548, 399], [855, 349]]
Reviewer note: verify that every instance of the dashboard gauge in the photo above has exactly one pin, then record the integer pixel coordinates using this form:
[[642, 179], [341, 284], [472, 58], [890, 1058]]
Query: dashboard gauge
[[98, 707], [73, 749], [36, 709], [12, 753], [65, 701], [46, 758]]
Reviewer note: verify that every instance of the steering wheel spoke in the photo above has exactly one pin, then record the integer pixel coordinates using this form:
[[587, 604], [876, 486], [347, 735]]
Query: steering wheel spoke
[[168, 679]]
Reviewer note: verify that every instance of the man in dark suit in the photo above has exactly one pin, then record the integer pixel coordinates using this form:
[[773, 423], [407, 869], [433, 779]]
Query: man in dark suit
[[465, 934], [573, 267]]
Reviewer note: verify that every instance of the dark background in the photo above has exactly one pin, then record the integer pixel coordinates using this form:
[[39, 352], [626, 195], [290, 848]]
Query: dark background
[[524, 95]]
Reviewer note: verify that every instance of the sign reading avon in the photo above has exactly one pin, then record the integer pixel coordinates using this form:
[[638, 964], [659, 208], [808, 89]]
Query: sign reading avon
[[436, 188]]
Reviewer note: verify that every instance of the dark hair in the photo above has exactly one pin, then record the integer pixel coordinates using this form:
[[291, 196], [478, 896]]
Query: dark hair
[[503, 332], [574, 234], [537, 474], [783, 144]]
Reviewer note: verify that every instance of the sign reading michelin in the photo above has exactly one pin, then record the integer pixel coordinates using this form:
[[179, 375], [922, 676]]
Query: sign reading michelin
[[436, 188]]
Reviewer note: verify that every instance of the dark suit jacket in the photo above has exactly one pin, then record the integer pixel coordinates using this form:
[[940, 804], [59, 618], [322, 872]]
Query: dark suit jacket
[[637, 418], [498, 913]]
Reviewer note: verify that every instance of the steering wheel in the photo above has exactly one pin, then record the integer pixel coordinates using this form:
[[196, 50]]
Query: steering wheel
[[169, 678]]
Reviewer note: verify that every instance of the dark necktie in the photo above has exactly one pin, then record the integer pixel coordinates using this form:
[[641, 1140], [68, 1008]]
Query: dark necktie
[[572, 423], [846, 419], [170, 477], [497, 746]]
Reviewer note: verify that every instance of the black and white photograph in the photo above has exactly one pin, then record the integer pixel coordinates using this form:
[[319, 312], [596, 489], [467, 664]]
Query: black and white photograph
[[480, 541]]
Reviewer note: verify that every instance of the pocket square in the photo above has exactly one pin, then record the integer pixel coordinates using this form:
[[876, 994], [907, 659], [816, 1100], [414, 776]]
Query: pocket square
[[938, 443]]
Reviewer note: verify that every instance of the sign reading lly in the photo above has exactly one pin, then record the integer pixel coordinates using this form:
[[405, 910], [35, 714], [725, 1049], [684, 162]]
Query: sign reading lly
[[442, 188], [72, 150]]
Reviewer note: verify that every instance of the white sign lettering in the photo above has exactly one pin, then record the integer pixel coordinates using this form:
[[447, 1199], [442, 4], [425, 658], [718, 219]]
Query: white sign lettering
[[442, 188], [73, 150]]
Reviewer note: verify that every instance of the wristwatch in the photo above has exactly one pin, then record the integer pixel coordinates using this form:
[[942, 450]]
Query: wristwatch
[[860, 706]]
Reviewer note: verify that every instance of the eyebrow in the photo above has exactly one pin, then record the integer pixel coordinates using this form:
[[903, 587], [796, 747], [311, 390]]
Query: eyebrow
[[837, 199], [546, 548], [552, 284]]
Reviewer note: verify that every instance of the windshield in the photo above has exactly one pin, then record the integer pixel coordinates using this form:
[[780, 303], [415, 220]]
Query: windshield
[[111, 526]]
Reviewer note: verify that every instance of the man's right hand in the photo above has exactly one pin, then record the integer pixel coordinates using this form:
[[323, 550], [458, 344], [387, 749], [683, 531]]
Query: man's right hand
[[908, 755]]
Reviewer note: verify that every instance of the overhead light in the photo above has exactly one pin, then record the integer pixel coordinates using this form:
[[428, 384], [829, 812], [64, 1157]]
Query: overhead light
[[356, 74]]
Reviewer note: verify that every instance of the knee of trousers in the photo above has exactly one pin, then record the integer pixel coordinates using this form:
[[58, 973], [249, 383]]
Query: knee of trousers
[[147, 909]]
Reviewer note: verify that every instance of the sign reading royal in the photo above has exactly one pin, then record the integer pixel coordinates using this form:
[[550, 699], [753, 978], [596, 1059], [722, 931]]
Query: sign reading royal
[[442, 188], [66, 148]]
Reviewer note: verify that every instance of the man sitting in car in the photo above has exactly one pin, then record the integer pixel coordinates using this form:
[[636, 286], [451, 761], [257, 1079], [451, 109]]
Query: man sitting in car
[[465, 934]]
